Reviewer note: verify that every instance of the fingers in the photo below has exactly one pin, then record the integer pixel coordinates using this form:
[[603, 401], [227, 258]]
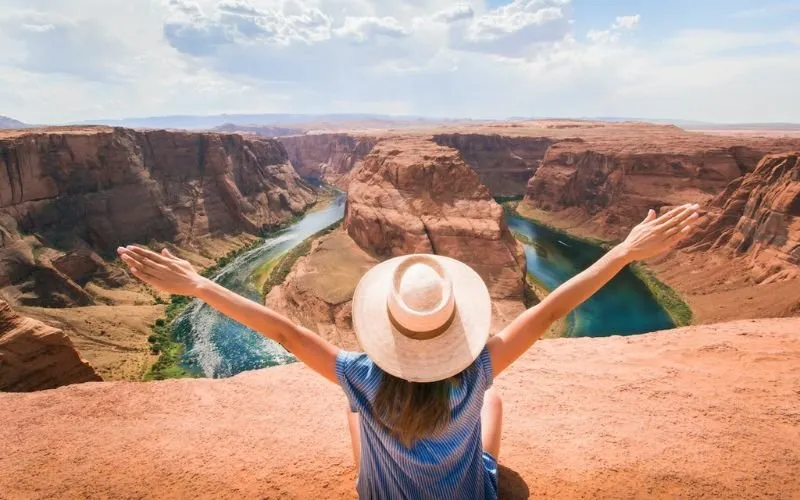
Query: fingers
[[148, 254], [680, 235], [144, 275], [687, 223], [651, 216], [677, 216], [143, 263], [167, 253]]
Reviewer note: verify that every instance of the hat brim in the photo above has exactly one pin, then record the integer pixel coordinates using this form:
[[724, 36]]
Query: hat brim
[[422, 360]]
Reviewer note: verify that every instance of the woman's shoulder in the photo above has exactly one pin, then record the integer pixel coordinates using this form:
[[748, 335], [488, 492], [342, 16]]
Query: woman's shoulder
[[351, 366]]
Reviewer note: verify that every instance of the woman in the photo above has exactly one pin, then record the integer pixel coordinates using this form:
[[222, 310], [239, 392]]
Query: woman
[[424, 421]]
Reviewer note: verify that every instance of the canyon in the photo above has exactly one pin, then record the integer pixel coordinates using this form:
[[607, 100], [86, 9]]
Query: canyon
[[70, 196], [596, 180], [709, 408]]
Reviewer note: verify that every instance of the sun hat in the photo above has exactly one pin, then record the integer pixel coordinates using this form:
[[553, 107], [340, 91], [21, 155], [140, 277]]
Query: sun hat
[[422, 317]]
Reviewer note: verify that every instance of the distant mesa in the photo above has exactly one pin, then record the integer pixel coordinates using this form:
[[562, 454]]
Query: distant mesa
[[268, 131], [8, 122], [297, 121]]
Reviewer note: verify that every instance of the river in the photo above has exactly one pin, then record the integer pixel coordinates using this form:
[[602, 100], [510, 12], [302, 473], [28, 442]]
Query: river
[[217, 347], [623, 307]]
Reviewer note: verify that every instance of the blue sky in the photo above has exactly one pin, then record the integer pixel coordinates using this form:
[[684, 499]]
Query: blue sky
[[711, 60]]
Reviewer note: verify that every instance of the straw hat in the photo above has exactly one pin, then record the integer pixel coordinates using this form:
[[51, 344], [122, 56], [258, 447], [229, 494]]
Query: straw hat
[[422, 317]]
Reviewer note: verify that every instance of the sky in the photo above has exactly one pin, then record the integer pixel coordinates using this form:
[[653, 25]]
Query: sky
[[709, 60]]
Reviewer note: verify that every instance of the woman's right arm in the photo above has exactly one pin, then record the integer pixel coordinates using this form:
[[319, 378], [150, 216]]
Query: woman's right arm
[[648, 239], [177, 276]]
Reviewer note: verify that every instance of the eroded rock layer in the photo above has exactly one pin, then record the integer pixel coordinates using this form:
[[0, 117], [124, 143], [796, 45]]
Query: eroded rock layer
[[318, 292], [113, 186], [34, 356], [329, 158], [759, 216], [503, 163], [413, 196]]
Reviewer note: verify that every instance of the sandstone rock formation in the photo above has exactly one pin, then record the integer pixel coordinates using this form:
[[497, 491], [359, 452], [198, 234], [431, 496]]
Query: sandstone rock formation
[[70, 195], [318, 292], [759, 215], [504, 164], [412, 196], [329, 158], [93, 189], [34, 356], [113, 186], [699, 412], [611, 185]]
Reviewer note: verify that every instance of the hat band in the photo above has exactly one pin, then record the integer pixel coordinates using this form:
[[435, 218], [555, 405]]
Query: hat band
[[427, 335]]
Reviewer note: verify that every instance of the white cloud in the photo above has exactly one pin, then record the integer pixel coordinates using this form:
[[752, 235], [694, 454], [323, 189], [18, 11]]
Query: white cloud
[[626, 22], [362, 29], [454, 14], [110, 58]]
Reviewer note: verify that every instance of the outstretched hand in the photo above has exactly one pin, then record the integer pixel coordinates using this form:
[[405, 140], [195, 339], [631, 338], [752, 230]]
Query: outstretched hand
[[656, 235], [162, 270]]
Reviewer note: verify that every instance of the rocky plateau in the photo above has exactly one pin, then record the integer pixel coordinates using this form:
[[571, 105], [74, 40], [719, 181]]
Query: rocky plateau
[[705, 411]]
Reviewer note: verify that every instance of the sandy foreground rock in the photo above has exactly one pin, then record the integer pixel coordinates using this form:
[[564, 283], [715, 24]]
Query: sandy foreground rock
[[711, 411], [34, 356]]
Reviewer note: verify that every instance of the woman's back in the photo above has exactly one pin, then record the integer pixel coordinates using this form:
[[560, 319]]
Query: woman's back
[[449, 464]]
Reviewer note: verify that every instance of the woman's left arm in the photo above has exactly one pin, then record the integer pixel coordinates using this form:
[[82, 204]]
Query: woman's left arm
[[177, 276], [648, 239]]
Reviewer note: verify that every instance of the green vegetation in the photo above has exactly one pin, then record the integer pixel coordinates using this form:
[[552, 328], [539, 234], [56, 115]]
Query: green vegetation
[[163, 343], [678, 310], [506, 199], [282, 265]]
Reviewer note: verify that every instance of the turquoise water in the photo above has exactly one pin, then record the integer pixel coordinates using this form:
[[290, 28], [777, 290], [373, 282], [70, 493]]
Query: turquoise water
[[623, 307], [217, 346]]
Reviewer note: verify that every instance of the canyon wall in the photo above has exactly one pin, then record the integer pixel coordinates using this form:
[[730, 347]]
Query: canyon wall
[[413, 196], [83, 192], [107, 186], [758, 216], [328, 158], [70, 195], [34, 356], [503, 163], [612, 186]]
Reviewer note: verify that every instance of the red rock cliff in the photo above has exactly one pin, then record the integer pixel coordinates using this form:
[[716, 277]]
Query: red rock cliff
[[758, 215], [327, 157], [503, 163], [34, 356], [604, 178], [115, 186], [411, 195], [92, 189]]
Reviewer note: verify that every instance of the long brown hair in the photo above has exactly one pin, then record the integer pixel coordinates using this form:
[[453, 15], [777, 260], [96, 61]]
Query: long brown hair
[[411, 411]]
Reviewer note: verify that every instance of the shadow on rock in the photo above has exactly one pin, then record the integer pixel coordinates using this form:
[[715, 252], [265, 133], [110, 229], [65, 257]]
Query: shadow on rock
[[511, 484]]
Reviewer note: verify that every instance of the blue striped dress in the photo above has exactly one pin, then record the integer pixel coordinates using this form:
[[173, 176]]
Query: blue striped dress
[[450, 464]]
